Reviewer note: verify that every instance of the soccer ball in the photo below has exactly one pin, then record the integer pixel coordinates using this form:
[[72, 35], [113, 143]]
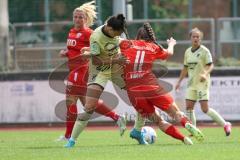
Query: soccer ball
[[149, 134]]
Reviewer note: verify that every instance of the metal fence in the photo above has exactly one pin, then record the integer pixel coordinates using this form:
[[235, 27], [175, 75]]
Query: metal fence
[[228, 37], [35, 46]]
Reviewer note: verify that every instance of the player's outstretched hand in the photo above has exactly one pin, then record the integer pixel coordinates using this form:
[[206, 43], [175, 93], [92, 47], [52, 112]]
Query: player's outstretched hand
[[171, 41], [63, 53]]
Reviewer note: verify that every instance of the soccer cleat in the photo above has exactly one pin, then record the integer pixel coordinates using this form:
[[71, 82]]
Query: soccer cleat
[[139, 136], [62, 138], [187, 141], [70, 143], [228, 128], [121, 122], [194, 131]]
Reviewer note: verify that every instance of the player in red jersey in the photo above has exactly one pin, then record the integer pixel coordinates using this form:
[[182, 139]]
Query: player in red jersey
[[142, 86], [78, 37]]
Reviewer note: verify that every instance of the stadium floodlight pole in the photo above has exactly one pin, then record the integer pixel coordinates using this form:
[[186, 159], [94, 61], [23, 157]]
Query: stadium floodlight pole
[[129, 10], [190, 7], [47, 32], [145, 9], [99, 11], [4, 43], [235, 26], [119, 6]]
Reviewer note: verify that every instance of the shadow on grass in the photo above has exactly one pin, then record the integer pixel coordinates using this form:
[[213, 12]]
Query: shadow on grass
[[103, 146]]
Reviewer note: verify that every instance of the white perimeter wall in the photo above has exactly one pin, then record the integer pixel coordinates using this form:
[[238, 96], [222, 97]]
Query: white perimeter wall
[[35, 101]]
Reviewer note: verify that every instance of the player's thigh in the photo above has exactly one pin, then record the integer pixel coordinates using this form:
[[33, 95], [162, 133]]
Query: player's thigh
[[99, 78], [93, 94], [204, 105], [119, 81], [190, 104], [191, 94], [75, 85], [163, 101], [117, 78], [142, 106], [71, 99]]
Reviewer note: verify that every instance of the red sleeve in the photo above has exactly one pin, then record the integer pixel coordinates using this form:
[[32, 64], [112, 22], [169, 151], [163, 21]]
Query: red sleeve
[[125, 44]]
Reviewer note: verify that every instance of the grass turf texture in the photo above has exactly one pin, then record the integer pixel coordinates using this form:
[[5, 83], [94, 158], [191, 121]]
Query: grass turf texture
[[108, 145]]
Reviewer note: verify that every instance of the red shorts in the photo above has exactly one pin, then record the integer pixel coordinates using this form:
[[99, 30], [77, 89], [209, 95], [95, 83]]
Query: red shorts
[[146, 105], [77, 82]]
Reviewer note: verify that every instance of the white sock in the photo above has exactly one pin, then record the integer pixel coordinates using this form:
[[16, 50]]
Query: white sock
[[216, 116], [78, 128], [191, 115], [139, 122], [80, 124]]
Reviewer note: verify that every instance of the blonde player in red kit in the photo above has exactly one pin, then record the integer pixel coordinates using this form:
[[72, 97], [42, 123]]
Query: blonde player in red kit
[[142, 85], [78, 37]]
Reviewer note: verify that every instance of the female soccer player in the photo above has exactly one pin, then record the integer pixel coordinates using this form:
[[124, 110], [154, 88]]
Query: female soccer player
[[78, 37], [104, 65], [198, 65], [142, 86]]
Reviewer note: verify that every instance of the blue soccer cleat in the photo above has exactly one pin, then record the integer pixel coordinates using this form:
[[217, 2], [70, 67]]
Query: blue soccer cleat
[[70, 143], [139, 136]]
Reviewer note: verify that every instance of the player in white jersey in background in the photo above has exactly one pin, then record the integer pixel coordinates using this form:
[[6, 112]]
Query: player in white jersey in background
[[198, 65]]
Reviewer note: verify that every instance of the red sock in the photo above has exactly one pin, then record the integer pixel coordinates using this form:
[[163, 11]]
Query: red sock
[[184, 120], [174, 132], [70, 119], [106, 111]]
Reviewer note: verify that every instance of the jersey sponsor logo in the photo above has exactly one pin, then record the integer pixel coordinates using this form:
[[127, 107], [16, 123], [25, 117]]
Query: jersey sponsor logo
[[78, 35], [191, 65], [103, 67], [71, 42], [134, 75]]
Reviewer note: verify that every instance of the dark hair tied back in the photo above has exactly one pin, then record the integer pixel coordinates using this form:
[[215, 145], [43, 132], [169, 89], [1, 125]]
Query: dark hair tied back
[[117, 22], [147, 27]]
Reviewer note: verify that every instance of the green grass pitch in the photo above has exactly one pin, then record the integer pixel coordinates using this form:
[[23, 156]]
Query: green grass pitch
[[108, 145]]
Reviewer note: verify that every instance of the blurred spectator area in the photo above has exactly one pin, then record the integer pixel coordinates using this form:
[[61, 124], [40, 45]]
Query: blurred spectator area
[[38, 28]]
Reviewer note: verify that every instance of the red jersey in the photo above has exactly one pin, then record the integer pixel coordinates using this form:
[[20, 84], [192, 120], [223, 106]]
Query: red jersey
[[138, 73], [77, 39]]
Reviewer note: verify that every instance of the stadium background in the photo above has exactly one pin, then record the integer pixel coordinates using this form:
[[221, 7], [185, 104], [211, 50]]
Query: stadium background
[[37, 31], [33, 31]]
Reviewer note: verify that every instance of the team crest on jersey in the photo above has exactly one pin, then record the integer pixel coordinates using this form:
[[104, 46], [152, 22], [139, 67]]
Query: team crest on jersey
[[78, 35], [111, 48]]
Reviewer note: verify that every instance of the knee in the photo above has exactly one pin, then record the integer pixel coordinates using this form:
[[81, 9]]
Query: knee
[[178, 115], [90, 106], [205, 110], [100, 102], [189, 107], [89, 109]]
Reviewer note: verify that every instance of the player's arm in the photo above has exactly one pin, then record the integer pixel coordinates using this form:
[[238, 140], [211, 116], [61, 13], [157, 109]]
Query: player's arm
[[183, 74], [171, 43], [63, 53], [207, 70]]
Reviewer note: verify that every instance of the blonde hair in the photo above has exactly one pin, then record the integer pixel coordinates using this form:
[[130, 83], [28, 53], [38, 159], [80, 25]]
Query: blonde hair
[[89, 9], [196, 30]]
